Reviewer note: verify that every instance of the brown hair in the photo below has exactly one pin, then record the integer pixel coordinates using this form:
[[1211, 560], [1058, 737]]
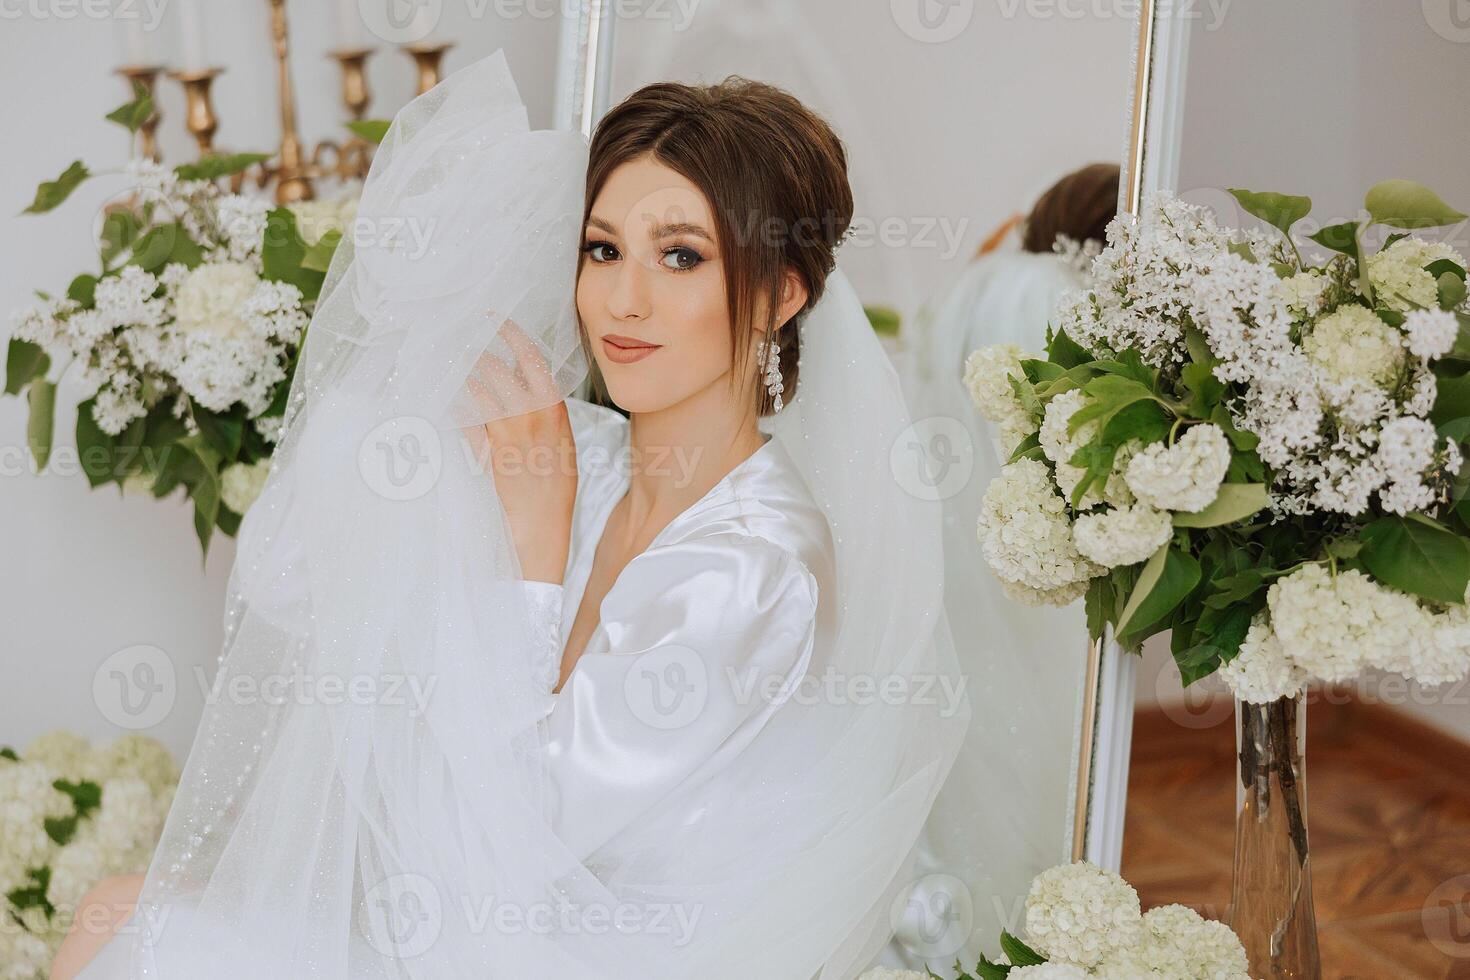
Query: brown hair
[[775, 176], [1080, 205]]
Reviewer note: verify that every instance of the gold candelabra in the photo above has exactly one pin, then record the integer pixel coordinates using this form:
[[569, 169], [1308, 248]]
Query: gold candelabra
[[291, 170]]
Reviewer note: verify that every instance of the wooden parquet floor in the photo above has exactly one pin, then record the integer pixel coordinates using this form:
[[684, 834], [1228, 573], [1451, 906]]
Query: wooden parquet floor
[[1388, 822]]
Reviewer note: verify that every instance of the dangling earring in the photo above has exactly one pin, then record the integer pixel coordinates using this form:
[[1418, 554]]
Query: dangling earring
[[767, 353]]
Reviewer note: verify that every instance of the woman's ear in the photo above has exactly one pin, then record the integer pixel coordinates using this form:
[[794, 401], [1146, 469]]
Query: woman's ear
[[793, 295]]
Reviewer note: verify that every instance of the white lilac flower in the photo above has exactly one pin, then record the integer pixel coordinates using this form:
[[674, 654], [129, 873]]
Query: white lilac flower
[[1398, 275], [1406, 451], [1081, 914], [1430, 332], [987, 374], [1334, 626], [1122, 536], [1025, 533], [1441, 656], [211, 297], [1185, 476], [1352, 344], [241, 483], [1261, 672]]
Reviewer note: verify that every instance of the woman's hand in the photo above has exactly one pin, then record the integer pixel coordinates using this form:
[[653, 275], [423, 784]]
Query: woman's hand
[[533, 455]]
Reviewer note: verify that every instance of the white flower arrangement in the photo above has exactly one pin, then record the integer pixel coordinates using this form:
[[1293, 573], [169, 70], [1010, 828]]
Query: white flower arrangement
[[1084, 922], [1260, 454], [186, 340], [72, 814]]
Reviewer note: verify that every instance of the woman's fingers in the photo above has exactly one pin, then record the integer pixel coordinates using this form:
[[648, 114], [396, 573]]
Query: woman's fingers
[[530, 363]]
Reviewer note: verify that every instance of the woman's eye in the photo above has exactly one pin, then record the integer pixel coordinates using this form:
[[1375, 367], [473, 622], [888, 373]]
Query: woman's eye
[[685, 258], [591, 249]]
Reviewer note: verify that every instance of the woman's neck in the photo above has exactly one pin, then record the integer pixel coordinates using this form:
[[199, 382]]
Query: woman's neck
[[680, 452]]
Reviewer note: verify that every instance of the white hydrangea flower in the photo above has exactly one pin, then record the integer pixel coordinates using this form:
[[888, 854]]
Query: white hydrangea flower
[[241, 483], [1398, 276], [1048, 971], [1025, 533], [1063, 595], [211, 297], [987, 371], [1302, 292], [139, 757], [1081, 914], [1185, 476], [1179, 944], [1333, 627], [1122, 536], [66, 754], [1352, 344], [1058, 445], [884, 973], [1261, 672], [1430, 332], [27, 800], [23, 954]]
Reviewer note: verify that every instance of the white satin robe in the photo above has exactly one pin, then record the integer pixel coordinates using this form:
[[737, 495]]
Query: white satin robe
[[662, 694], [726, 594]]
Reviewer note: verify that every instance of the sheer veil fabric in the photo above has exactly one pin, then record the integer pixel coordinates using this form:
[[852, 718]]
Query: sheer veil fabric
[[366, 796]]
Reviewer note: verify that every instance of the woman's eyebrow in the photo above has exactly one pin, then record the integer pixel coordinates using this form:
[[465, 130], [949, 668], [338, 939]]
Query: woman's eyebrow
[[659, 231]]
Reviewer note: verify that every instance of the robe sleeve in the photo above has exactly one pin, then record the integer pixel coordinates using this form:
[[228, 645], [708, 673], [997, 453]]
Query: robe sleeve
[[698, 640]]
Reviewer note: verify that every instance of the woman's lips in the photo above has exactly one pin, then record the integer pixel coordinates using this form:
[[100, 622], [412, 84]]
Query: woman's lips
[[626, 350]]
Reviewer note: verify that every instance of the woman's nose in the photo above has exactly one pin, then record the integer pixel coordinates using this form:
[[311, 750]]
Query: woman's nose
[[629, 296]]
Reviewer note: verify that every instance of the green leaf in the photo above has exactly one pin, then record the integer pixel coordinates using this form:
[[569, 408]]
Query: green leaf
[[1451, 411], [1418, 557], [213, 166], [96, 450], [33, 896], [1166, 579], [1067, 352], [41, 423], [1451, 290], [1277, 210], [1129, 364], [1026, 394], [24, 361], [1099, 605], [221, 431], [1207, 389], [83, 289], [1406, 204], [1107, 395], [372, 130], [283, 253], [1234, 502], [52, 192], [163, 244], [884, 320], [1340, 238], [86, 795], [131, 115], [119, 230], [1018, 952], [1038, 370]]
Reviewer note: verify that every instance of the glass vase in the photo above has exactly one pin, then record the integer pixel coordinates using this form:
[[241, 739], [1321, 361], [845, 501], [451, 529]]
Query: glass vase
[[1271, 894]]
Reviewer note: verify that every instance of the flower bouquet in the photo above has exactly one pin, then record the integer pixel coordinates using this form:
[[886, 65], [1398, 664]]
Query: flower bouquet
[[1259, 453], [1084, 922], [185, 337], [70, 815]]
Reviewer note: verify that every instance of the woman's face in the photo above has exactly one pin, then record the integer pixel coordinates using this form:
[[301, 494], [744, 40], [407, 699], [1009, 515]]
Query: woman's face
[[651, 292]]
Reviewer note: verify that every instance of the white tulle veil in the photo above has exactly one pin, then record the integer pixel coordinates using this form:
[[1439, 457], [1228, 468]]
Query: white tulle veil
[[365, 796]]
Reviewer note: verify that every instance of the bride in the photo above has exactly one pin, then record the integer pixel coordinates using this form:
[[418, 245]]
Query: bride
[[569, 693]]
